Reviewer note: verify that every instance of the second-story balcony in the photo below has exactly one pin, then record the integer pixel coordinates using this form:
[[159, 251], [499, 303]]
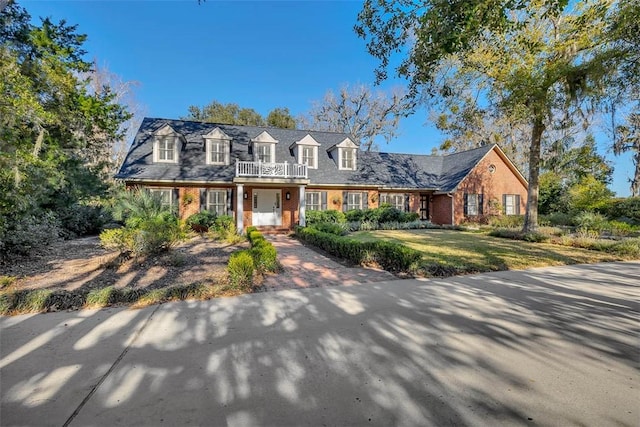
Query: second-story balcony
[[271, 170]]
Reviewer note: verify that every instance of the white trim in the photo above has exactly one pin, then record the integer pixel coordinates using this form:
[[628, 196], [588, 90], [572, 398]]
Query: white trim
[[156, 148], [265, 137], [300, 156], [226, 150], [341, 151], [217, 133], [207, 202]]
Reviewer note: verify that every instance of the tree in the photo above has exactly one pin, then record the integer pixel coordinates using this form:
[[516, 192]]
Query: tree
[[49, 123], [360, 112], [534, 58], [281, 118], [628, 139]]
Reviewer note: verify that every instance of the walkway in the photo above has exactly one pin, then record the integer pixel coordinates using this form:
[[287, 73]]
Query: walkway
[[306, 268]]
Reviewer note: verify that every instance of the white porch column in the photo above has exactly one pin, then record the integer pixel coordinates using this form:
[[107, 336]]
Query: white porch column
[[239, 208], [302, 203]]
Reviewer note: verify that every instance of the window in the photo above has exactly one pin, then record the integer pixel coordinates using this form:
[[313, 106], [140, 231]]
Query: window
[[263, 153], [166, 150], [313, 200], [308, 157], [347, 158], [217, 152], [217, 201], [166, 197], [395, 200], [511, 204], [473, 204], [354, 201]]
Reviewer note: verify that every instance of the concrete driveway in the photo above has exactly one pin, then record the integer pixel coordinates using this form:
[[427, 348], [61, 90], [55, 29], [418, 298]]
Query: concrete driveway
[[553, 346]]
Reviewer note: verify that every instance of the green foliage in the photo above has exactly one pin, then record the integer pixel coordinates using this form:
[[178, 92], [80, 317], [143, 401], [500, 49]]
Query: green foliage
[[552, 197], [83, 220], [589, 195], [390, 256], [101, 297], [591, 221], [202, 221], [281, 118], [26, 233], [313, 217], [331, 227], [516, 234], [507, 221], [240, 269], [224, 228], [628, 208], [233, 114], [559, 218], [265, 256]]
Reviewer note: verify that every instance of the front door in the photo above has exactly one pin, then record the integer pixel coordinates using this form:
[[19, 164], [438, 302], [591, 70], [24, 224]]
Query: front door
[[267, 207], [424, 207]]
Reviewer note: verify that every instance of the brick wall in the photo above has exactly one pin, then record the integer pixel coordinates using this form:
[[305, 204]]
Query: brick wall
[[440, 209], [491, 185]]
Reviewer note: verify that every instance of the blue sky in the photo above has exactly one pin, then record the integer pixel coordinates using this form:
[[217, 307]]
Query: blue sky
[[258, 55]]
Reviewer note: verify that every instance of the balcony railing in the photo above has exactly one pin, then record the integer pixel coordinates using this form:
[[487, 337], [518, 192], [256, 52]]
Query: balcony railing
[[271, 170]]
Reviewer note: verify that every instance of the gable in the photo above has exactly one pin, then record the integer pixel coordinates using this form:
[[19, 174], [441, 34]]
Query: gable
[[265, 138], [217, 134]]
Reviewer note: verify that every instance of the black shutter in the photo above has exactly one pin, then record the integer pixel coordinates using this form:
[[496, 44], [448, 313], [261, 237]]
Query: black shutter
[[365, 200], [517, 204], [344, 201], [480, 204], [175, 203], [203, 199], [407, 202], [229, 201], [466, 203], [323, 196], [504, 204]]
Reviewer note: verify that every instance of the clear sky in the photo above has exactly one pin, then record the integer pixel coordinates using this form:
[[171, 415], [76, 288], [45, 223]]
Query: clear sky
[[259, 55]]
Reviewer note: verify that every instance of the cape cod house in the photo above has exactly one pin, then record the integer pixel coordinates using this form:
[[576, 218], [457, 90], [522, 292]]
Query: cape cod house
[[270, 177]]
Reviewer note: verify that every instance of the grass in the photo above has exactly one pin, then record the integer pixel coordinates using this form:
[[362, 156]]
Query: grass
[[453, 252]]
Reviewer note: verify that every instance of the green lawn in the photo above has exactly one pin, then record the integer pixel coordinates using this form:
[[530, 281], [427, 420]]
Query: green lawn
[[475, 252]]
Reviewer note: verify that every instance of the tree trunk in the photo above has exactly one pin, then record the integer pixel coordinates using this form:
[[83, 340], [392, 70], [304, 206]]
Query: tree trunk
[[635, 182], [531, 216]]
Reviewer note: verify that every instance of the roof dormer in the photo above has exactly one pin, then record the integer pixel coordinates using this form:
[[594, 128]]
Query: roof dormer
[[217, 147], [344, 154], [306, 151], [264, 148], [166, 145]]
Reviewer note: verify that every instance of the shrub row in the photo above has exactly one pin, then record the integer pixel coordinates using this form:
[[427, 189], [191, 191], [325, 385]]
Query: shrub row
[[390, 256], [262, 257], [41, 300]]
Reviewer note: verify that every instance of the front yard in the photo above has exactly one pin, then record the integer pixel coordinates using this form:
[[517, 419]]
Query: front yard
[[448, 252]]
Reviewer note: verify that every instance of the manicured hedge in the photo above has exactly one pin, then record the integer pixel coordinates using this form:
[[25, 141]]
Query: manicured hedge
[[390, 256], [265, 257]]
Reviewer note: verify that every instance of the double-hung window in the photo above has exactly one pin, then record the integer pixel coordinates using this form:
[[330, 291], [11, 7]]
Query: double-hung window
[[166, 196], [393, 199], [347, 158], [217, 152], [308, 156], [472, 204], [263, 153], [354, 201], [313, 200], [511, 204], [217, 201], [166, 149]]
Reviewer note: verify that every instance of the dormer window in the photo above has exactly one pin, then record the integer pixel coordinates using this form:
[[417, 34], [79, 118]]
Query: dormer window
[[306, 151], [345, 154], [347, 158], [264, 148], [218, 147], [165, 146]]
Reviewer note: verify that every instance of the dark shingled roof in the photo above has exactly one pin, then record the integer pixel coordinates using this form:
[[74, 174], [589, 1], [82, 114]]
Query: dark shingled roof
[[388, 170]]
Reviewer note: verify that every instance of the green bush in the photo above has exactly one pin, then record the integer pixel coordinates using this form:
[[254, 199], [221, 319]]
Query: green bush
[[390, 256], [354, 215], [24, 234], [265, 257], [627, 209], [149, 236], [591, 221], [517, 234], [506, 221], [558, 218], [331, 227], [314, 217], [240, 269], [82, 220], [202, 221], [409, 217]]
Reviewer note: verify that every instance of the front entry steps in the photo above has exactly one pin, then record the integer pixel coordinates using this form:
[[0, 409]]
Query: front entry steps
[[273, 229]]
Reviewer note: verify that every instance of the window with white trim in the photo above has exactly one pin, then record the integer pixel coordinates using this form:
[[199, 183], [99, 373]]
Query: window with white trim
[[394, 199], [166, 197], [217, 201], [354, 201], [308, 156], [263, 153], [347, 158], [511, 204], [217, 152], [166, 149], [313, 200], [472, 204]]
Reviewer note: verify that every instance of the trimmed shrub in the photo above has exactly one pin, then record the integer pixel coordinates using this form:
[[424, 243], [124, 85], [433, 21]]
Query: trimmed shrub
[[265, 257], [82, 220], [331, 227], [29, 233], [314, 217], [240, 269], [202, 221], [507, 221], [354, 215], [390, 256]]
